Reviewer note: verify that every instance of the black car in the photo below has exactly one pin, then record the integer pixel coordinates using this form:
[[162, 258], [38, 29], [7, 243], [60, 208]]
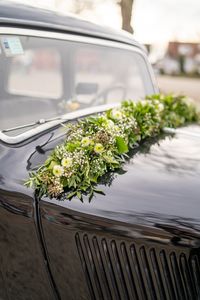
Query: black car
[[139, 241]]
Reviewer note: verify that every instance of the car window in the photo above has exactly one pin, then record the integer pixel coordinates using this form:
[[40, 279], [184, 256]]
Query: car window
[[117, 75], [46, 77], [31, 74]]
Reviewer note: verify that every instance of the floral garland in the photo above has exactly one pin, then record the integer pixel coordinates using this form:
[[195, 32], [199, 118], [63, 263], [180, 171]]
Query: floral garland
[[98, 144]]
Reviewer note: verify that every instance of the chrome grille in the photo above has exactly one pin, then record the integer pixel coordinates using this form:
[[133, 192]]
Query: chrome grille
[[123, 270]]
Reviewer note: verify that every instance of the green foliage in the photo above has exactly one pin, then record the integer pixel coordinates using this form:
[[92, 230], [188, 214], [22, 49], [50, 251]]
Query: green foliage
[[122, 146], [98, 144]]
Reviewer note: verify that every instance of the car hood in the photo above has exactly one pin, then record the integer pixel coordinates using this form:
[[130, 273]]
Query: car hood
[[161, 179]]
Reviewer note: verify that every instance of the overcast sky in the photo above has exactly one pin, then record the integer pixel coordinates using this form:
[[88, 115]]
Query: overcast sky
[[154, 21], [167, 20]]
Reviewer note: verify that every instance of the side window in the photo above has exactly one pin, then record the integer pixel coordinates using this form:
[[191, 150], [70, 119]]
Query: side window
[[36, 73]]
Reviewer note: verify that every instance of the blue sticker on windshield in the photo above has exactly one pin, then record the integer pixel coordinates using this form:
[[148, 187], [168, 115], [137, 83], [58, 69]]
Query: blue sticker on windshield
[[12, 46]]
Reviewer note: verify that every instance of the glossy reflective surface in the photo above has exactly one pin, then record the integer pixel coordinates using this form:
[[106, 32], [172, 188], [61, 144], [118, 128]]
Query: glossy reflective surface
[[24, 274], [161, 179], [20, 253], [154, 203]]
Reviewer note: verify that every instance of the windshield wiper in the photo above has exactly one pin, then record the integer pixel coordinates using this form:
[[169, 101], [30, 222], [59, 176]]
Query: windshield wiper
[[55, 121], [39, 122]]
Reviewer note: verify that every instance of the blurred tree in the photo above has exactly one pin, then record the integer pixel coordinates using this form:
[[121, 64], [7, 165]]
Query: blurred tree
[[126, 12], [181, 60]]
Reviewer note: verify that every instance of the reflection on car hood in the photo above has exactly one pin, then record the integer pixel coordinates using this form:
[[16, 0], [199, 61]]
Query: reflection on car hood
[[162, 177]]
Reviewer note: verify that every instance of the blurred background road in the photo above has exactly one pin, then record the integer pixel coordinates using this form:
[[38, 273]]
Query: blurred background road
[[183, 85]]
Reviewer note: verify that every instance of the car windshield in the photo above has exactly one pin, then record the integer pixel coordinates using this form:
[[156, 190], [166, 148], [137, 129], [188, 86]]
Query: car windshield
[[45, 78]]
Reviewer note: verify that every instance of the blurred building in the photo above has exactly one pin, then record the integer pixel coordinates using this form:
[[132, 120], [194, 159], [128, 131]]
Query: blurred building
[[180, 58]]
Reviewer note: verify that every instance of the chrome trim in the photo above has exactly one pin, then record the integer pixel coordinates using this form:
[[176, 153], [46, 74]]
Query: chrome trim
[[74, 38], [65, 118], [68, 37]]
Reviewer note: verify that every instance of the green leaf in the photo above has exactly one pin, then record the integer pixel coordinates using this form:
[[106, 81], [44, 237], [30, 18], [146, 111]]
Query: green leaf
[[91, 195], [99, 192], [79, 195], [71, 195], [122, 146], [72, 146], [52, 164], [65, 182], [93, 179], [111, 160]]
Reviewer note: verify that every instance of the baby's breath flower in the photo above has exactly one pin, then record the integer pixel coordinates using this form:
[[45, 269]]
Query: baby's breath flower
[[102, 137], [66, 162], [98, 148], [58, 170], [85, 142], [46, 178], [116, 129], [55, 189], [67, 173]]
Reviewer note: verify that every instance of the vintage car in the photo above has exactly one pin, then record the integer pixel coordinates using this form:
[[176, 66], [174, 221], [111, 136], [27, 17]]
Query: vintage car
[[139, 241]]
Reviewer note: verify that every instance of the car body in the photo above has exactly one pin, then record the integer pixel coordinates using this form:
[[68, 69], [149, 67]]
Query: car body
[[139, 241]]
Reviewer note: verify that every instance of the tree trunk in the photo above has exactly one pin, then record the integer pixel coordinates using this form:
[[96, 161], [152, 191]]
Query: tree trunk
[[126, 12]]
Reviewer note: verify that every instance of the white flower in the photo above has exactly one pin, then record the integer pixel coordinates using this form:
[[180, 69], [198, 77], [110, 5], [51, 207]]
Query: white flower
[[111, 124], [143, 102], [85, 141], [156, 102], [58, 170], [98, 148], [160, 107], [116, 114], [66, 162]]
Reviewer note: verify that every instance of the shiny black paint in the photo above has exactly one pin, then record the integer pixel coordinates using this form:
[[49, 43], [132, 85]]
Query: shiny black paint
[[155, 202], [24, 273], [160, 180], [22, 263]]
